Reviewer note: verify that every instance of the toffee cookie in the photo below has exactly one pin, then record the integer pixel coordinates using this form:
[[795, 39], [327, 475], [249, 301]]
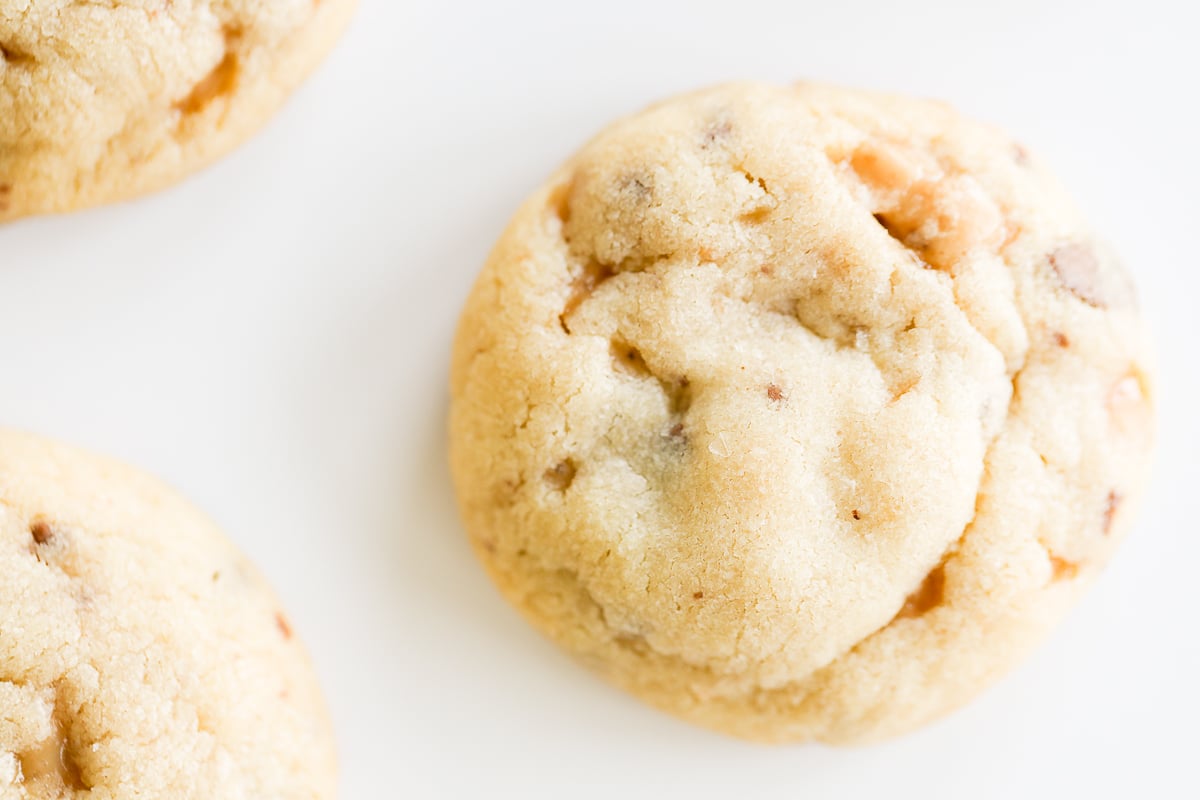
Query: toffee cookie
[[799, 412], [140, 654], [106, 101]]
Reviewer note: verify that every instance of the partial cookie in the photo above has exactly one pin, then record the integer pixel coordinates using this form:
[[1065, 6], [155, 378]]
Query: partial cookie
[[800, 412], [103, 102], [141, 655]]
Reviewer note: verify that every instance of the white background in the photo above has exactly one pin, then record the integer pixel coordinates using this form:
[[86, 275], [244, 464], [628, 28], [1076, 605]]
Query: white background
[[272, 338]]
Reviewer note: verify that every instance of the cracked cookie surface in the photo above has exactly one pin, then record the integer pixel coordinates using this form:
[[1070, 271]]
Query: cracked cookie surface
[[799, 412], [141, 655], [106, 101]]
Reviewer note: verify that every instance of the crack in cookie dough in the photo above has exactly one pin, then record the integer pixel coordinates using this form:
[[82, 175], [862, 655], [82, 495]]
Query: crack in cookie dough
[[776, 407], [104, 102]]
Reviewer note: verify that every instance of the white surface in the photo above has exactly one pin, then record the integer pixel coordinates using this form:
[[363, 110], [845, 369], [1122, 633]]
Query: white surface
[[272, 338]]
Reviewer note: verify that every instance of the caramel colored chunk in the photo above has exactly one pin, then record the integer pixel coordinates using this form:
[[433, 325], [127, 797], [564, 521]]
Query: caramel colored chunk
[[929, 594]]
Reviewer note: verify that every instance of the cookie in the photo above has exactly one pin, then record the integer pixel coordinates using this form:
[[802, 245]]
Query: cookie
[[799, 412], [141, 655], [105, 101]]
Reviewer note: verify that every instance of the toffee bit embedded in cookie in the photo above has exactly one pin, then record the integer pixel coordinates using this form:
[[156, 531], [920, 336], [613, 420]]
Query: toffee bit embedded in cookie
[[561, 475], [1129, 406], [12, 56], [52, 762], [679, 394], [928, 595], [1111, 504], [284, 626], [41, 532], [786, 424], [884, 167], [1078, 271], [1061, 569], [757, 215], [221, 81]]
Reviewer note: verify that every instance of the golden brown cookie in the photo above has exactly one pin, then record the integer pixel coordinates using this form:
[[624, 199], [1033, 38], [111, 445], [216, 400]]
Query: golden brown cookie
[[799, 412], [106, 101], [141, 655]]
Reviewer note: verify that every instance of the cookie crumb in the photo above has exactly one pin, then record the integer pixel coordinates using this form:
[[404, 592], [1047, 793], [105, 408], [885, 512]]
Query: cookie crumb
[[774, 393]]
